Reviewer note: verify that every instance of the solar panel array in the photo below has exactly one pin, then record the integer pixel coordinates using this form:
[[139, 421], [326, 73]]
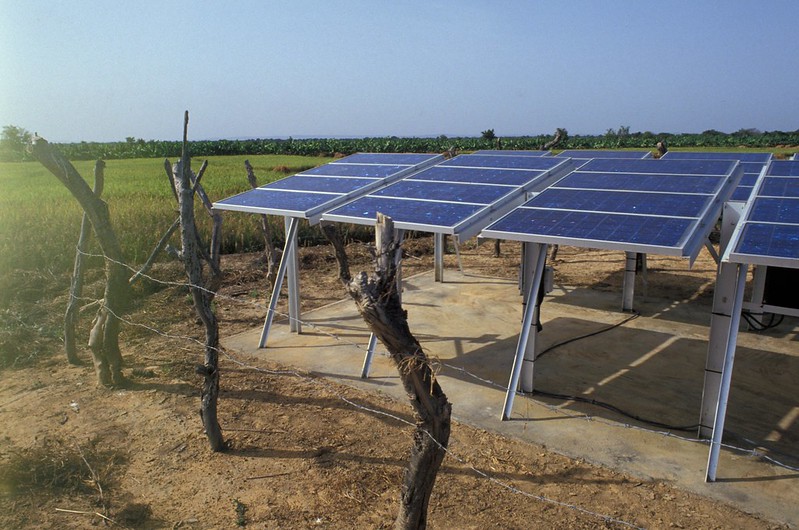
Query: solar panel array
[[458, 196], [751, 163], [306, 195], [768, 233], [659, 206], [586, 154], [501, 152]]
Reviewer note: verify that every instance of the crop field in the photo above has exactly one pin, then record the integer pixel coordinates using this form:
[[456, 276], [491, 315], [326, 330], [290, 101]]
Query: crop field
[[40, 220]]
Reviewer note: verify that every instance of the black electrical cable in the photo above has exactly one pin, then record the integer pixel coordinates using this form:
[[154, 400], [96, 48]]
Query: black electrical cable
[[617, 410], [757, 325], [575, 339], [603, 404]]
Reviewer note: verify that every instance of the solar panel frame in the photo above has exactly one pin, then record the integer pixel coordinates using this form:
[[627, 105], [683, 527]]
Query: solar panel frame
[[282, 197], [768, 230], [579, 230], [474, 216]]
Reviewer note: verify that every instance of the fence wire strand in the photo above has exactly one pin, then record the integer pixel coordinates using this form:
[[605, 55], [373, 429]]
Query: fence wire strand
[[329, 387]]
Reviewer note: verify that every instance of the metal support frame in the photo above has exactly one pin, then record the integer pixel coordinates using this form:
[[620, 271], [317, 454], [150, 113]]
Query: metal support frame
[[291, 240], [399, 236], [629, 281], [726, 372], [438, 253], [528, 332], [293, 273]]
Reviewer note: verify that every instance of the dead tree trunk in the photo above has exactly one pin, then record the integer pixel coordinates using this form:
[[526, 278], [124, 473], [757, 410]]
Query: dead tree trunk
[[76, 287], [379, 303], [185, 184], [104, 337], [269, 251]]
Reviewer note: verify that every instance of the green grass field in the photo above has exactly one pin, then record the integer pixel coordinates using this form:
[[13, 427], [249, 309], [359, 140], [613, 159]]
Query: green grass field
[[40, 220]]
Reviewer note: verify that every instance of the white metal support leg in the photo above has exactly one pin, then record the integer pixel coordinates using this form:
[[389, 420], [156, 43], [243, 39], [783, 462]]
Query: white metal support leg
[[293, 272], [629, 282], [528, 328], [726, 374], [281, 274], [438, 253]]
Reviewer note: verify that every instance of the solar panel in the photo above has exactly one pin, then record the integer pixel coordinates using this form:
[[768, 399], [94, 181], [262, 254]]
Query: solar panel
[[602, 153], [497, 152], [649, 206], [751, 163], [307, 194], [768, 232], [459, 196]]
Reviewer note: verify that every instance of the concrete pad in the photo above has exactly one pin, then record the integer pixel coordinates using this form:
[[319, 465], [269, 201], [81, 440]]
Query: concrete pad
[[651, 367]]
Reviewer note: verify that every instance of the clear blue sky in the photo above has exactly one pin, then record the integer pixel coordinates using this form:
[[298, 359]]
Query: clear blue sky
[[103, 71]]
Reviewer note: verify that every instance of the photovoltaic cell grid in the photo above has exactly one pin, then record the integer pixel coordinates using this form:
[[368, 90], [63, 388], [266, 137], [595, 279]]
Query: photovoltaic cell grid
[[306, 195], [586, 154], [768, 233], [752, 164], [500, 152], [459, 196], [658, 206]]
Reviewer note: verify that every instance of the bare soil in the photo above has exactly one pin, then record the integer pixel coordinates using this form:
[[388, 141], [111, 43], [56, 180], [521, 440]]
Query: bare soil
[[303, 452]]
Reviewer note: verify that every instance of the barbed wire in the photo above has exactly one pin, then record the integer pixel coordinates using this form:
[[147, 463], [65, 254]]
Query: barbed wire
[[332, 389]]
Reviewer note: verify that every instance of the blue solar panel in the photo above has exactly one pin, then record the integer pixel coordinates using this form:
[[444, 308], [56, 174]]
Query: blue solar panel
[[627, 204], [511, 177], [665, 204], [493, 161], [408, 211], [328, 184], [407, 159], [444, 191], [511, 152], [762, 158], [290, 201], [354, 170], [594, 153], [593, 227], [309, 193], [779, 187], [638, 182], [776, 240], [784, 168], [458, 196], [660, 166], [768, 234], [741, 193]]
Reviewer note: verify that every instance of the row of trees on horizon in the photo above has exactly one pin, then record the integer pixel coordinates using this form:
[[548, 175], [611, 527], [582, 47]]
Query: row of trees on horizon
[[14, 140]]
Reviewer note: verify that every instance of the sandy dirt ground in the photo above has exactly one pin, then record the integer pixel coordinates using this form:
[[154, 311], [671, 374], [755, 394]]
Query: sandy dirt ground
[[303, 452]]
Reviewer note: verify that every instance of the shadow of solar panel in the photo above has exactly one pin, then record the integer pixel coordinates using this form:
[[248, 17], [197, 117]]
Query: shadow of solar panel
[[407, 211], [512, 177], [642, 182], [444, 191], [775, 240], [666, 204]]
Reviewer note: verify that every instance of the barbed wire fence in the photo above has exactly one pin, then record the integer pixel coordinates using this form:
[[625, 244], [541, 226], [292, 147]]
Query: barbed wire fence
[[332, 388]]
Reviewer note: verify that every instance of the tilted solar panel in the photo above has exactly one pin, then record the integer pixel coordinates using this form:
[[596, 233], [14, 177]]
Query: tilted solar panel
[[459, 196], [649, 206], [307, 194], [600, 153], [511, 152], [751, 163]]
